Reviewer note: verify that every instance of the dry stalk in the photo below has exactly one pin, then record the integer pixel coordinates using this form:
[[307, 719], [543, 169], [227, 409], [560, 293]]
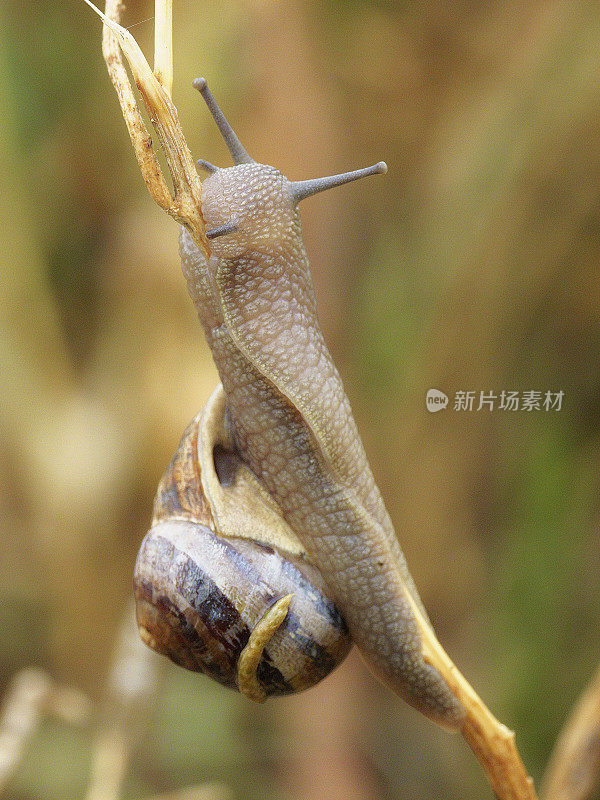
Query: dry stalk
[[19, 717], [163, 43], [131, 685], [30, 696], [185, 203], [209, 791], [492, 743], [573, 772]]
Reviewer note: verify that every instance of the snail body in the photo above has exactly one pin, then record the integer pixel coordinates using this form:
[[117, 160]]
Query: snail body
[[288, 419]]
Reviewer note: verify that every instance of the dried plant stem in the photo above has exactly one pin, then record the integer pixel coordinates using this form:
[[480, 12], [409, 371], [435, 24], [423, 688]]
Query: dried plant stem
[[109, 765], [131, 685], [20, 715], [185, 204], [163, 43], [573, 772], [31, 695], [209, 791], [492, 742]]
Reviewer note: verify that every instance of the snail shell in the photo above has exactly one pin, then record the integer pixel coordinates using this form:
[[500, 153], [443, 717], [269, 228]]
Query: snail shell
[[217, 560]]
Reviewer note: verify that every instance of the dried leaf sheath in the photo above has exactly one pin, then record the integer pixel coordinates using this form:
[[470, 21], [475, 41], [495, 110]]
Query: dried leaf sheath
[[185, 205]]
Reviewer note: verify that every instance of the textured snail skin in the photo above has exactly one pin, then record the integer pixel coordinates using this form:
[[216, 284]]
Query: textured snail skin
[[199, 594], [292, 424]]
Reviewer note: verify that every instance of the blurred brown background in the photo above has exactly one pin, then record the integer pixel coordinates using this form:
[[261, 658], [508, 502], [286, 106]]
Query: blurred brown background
[[473, 265]]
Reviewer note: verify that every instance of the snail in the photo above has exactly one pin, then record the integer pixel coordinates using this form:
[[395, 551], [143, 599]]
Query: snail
[[275, 465]]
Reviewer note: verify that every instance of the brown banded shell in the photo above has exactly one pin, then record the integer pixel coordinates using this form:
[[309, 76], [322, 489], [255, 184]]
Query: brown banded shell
[[200, 594]]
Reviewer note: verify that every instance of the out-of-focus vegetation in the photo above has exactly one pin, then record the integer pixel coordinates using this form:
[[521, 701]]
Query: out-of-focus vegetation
[[472, 266]]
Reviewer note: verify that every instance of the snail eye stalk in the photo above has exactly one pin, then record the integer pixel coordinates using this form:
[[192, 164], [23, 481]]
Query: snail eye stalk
[[303, 189], [235, 147]]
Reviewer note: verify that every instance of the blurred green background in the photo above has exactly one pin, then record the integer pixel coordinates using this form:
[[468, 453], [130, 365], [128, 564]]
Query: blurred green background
[[473, 265]]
